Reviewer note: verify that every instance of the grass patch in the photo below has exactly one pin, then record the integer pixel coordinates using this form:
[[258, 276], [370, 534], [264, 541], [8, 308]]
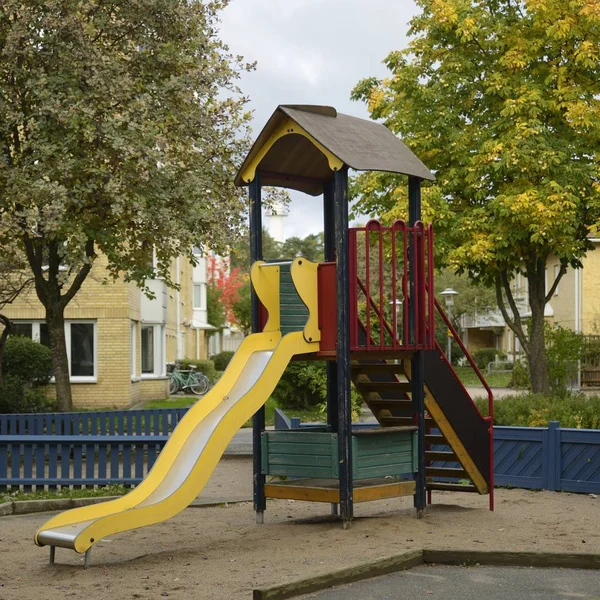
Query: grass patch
[[109, 490], [468, 377], [173, 402]]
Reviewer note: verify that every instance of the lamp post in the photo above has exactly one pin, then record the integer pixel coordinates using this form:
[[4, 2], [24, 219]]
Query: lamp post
[[448, 295], [397, 304]]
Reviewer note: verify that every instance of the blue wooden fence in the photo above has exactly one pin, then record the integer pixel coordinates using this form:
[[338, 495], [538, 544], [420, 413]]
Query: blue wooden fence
[[158, 421], [548, 458]]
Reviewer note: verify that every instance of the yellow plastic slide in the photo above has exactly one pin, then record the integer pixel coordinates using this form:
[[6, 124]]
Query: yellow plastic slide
[[197, 444]]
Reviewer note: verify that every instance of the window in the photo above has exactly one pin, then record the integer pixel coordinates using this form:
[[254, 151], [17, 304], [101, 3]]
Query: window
[[82, 350], [198, 296], [133, 349], [81, 342], [152, 350], [556, 271]]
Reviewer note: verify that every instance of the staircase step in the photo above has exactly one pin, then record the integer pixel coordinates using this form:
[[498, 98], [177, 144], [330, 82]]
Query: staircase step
[[446, 472], [450, 487], [440, 456], [395, 421], [435, 438], [387, 404], [383, 386], [377, 368]]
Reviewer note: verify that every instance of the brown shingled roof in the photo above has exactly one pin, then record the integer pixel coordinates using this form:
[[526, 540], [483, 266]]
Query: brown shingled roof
[[294, 162]]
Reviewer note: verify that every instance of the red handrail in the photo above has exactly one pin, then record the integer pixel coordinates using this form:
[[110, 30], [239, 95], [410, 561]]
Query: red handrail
[[471, 362]]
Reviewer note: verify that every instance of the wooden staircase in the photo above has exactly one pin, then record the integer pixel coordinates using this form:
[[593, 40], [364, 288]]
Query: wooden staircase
[[385, 386]]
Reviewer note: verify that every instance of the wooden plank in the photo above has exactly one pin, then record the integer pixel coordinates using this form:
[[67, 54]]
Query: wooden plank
[[297, 448], [380, 492], [401, 387], [305, 436], [301, 460], [383, 367], [390, 403], [347, 575], [446, 472], [299, 471], [395, 421], [451, 487], [383, 431], [308, 494], [519, 559], [440, 456]]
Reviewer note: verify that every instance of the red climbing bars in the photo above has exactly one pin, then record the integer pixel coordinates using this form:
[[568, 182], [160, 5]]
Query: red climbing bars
[[390, 307]]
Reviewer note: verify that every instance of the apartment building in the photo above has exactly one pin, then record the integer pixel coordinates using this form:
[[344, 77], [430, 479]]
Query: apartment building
[[119, 341]]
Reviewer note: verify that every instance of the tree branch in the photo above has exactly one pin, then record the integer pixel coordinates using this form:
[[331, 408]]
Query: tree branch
[[80, 277], [561, 272], [515, 324]]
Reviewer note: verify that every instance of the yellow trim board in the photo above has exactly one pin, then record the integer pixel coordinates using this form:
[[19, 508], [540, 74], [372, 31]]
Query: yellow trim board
[[305, 277], [287, 127], [448, 431]]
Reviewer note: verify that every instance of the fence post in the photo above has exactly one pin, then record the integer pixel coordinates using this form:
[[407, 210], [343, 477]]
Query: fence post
[[551, 455]]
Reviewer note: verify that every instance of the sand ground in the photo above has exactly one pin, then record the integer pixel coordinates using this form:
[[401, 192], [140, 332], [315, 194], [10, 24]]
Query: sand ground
[[219, 553]]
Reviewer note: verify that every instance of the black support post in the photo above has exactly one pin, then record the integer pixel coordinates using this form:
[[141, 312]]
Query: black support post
[[417, 363], [329, 251], [343, 345], [258, 421]]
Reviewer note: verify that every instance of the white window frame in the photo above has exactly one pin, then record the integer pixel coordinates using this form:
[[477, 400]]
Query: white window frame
[[35, 336], [202, 289], [133, 351], [556, 272], [160, 363]]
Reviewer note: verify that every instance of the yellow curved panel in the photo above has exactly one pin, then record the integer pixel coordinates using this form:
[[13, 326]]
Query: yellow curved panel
[[304, 276], [287, 127], [265, 280]]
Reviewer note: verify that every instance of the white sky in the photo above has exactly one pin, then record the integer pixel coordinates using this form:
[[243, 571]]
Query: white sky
[[312, 52]]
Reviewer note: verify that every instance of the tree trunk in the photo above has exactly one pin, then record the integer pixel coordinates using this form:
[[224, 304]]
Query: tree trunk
[[538, 365], [55, 319]]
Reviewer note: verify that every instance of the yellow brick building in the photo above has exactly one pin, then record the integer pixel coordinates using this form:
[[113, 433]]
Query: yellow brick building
[[119, 341]]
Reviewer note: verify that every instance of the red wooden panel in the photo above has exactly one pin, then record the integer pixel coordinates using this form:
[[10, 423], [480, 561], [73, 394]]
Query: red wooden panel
[[263, 315], [327, 305]]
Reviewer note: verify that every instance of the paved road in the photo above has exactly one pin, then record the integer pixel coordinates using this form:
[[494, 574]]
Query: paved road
[[474, 583]]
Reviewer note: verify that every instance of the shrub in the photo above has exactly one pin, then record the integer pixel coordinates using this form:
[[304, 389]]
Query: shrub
[[222, 359], [304, 385], [564, 348], [535, 410], [484, 357], [27, 360], [202, 366], [17, 397], [520, 379]]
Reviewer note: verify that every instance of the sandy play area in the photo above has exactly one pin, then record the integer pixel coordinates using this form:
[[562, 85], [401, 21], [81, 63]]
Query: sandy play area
[[219, 553]]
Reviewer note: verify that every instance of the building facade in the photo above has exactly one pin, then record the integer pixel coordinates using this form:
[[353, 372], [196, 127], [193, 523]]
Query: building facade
[[119, 341]]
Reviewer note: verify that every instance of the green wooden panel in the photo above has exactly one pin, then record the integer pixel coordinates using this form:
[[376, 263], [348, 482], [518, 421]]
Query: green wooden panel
[[264, 454], [303, 436], [301, 460], [293, 312], [299, 448], [299, 471], [383, 454]]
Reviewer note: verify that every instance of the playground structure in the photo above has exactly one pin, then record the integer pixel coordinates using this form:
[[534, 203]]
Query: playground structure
[[368, 311]]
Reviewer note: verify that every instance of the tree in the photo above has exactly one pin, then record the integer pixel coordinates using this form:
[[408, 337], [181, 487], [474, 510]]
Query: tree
[[115, 138], [501, 99], [311, 247], [242, 308]]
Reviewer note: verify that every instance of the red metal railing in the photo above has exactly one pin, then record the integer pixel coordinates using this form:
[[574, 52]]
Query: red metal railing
[[388, 311]]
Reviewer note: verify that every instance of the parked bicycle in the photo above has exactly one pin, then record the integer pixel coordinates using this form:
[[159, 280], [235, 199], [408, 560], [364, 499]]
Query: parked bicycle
[[181, 380]]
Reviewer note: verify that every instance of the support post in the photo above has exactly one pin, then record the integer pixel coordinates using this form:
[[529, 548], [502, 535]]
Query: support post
[[52, 554], [87, 561], [343, 346], [417, 362], [329, 252], [258, 421]]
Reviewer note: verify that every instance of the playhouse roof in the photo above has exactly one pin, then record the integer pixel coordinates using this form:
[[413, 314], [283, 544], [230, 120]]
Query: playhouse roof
[[291, 159]]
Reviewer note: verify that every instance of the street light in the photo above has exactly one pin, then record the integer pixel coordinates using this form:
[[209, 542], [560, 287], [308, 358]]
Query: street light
[[448, 295]]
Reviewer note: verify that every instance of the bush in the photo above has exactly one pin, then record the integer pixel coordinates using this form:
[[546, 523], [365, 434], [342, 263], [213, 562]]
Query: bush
[[485, 356], [202, 366], [26, 367], [222, 359], [520, 379], [564, 348], [27, 360], [304, 385], [17, 397], [535, 410]]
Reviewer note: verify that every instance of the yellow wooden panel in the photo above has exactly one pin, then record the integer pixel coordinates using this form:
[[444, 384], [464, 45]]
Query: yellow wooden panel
[[304, 276], [380, 492]]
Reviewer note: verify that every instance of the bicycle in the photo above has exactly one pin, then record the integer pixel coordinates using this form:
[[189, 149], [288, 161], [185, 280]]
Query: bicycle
[[188, 379]]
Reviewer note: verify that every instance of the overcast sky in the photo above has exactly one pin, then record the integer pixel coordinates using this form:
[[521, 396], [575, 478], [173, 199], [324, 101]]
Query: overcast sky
[[312, 52]]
